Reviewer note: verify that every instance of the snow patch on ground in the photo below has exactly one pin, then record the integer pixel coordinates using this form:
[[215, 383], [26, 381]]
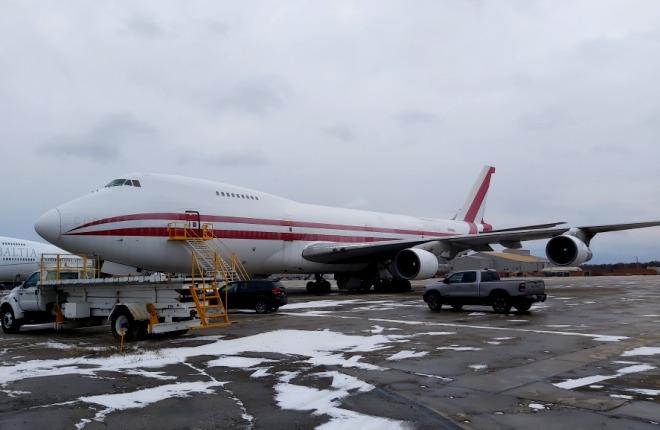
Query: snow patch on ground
[[621, 396], [642, 350], [477, 366], [326, 402], [644, 391], [459, 348], [15, 393], [434, 376], [260, 372], [407, 354], [323, 304], [536, 406], [142, 398], [569, 384], [320, 347], [237, 362], [476, 314], [376, 329]]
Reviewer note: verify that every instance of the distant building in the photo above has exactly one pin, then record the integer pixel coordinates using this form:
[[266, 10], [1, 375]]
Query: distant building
[[509, 261]]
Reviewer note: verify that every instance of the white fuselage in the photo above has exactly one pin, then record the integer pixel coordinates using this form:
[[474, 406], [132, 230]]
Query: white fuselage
[[20, 258], [128, 225]]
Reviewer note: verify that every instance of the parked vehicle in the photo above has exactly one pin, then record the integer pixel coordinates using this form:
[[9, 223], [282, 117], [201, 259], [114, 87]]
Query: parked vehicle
[[484, 287], [261, 295]]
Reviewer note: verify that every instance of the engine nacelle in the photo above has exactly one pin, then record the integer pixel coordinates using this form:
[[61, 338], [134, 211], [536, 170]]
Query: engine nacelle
[[567, 250], [413, 263]]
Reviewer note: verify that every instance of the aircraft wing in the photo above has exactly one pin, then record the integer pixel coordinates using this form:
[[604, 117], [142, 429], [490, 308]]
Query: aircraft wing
[[342, 253], [591, 231]]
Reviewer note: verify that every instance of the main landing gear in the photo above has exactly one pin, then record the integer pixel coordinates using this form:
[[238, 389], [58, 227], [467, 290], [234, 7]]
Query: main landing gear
[[363, 284], [320, 286]]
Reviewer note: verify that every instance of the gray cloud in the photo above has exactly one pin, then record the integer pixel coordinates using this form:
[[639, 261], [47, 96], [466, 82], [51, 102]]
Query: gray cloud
[[542, 120], [340, 131], [105, 141], [256, 97], [145, 28], [415, 117], [243, 158]]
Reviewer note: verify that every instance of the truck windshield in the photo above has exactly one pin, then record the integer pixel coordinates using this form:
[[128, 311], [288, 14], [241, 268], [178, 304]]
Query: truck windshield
[[32, 280]]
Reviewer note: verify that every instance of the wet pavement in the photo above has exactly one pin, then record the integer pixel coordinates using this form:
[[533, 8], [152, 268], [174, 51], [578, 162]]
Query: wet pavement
[[587, 357]]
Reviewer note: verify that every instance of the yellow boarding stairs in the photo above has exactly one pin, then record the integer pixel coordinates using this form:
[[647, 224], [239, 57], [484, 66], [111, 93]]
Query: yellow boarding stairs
[[210, 272]]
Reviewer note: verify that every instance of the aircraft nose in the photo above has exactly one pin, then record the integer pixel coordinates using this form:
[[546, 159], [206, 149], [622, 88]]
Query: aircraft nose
[[49, 226]]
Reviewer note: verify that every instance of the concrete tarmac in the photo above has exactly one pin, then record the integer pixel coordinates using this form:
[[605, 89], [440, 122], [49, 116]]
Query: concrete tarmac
[[589, 357]]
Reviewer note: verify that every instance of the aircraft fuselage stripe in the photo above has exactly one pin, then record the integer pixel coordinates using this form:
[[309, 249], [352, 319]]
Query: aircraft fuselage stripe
[[257, 221]]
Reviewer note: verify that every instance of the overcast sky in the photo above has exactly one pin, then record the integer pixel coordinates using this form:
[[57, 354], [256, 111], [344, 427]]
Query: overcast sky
[[391, 106]]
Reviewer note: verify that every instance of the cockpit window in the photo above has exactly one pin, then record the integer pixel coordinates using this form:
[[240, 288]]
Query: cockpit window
[[116, 183], [120, 182]]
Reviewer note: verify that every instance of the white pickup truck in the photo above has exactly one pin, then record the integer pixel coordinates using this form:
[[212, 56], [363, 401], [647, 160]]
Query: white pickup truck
[[484, 287]]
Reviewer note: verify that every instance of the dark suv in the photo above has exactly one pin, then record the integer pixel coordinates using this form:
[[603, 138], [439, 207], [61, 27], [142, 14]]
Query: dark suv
[[261, 295]]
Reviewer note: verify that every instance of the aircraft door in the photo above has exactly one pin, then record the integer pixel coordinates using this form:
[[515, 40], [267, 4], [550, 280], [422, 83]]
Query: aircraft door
[[194, 222]]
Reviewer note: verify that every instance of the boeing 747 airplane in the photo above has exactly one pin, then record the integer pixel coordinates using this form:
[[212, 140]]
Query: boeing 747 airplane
[[127, 222], [19, 258]]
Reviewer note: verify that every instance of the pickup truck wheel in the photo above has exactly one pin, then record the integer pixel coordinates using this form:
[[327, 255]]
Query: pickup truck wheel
[[262, 306], [435, 302], [501, 303], [123, 322], [9, 323], [523, 306], [457, 306]]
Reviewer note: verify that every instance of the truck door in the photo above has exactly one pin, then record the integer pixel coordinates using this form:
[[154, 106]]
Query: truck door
[[463, 284], [28, 295]]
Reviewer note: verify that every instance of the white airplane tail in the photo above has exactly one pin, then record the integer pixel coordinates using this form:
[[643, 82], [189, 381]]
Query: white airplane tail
[[473, 209]]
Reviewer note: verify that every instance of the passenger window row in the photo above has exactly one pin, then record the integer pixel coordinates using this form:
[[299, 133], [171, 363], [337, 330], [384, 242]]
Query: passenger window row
[[12, 244], [236, 195], [122, 182], [18, 259]]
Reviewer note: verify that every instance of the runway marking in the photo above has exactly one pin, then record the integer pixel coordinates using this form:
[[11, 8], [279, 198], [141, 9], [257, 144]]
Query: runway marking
[[596, 337]]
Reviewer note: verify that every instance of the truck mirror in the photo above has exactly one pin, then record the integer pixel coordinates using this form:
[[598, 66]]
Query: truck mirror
[[445, 281]]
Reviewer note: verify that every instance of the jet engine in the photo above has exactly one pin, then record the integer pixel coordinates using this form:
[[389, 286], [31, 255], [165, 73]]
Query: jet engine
[[414, 263], [567, 250]]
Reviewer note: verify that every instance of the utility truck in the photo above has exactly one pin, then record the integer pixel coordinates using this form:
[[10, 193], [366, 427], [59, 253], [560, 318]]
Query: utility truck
[[134, 305]]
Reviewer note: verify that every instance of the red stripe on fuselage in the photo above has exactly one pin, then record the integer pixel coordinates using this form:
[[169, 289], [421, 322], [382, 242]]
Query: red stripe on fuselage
[[257, 221], [235, 234]]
